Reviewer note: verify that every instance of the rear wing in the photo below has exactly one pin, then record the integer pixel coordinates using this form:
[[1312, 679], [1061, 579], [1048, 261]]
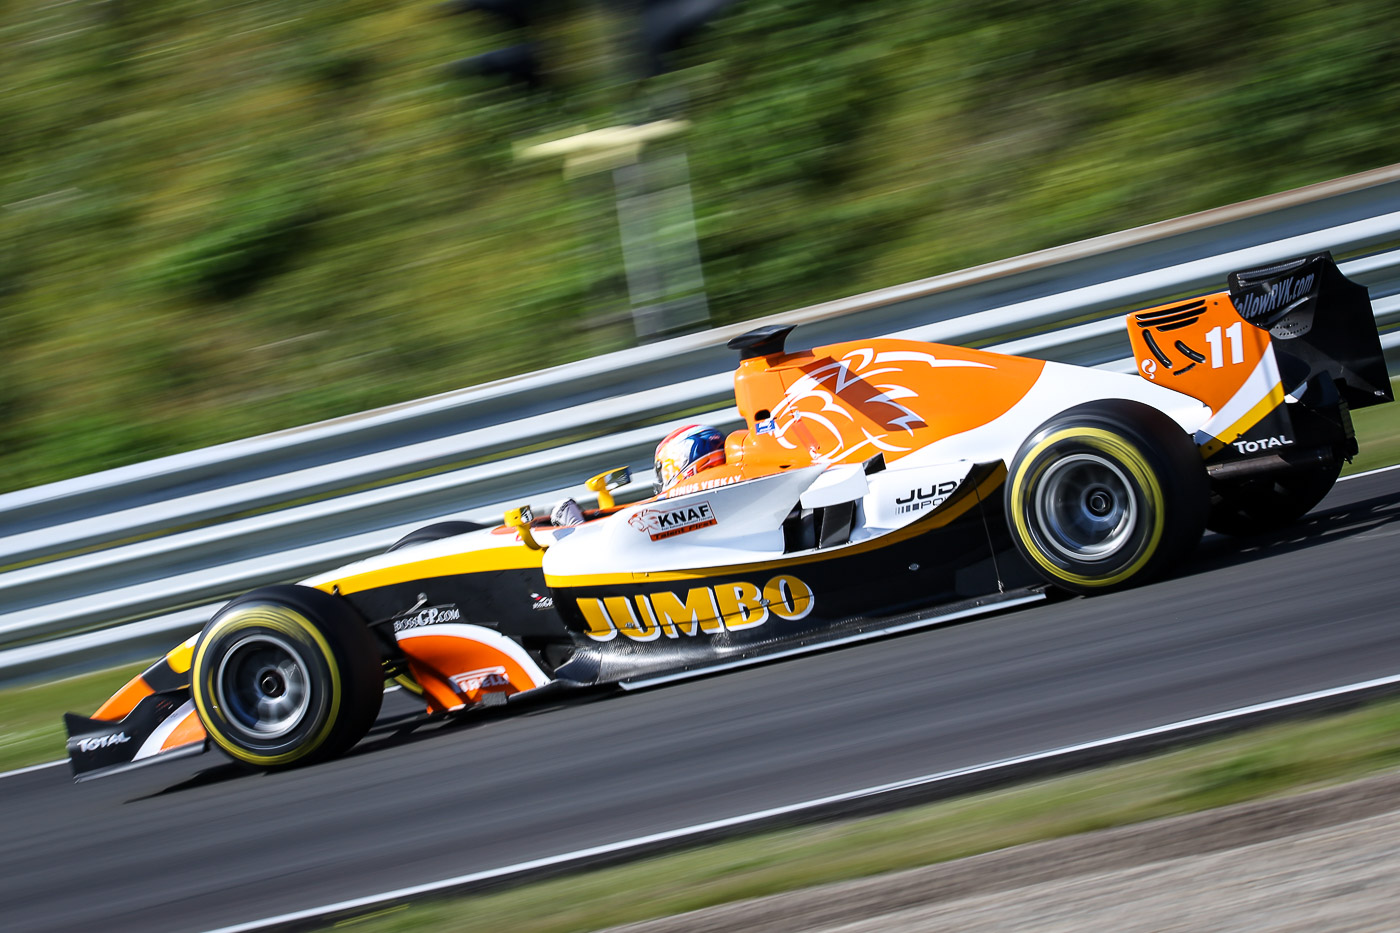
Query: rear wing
[[1297, 331], [1320, 321], [1317, 321]]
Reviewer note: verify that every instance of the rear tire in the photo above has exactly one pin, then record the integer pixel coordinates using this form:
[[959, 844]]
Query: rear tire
[[1262, 504], [1105, 496], [286, 675], [434, 532]]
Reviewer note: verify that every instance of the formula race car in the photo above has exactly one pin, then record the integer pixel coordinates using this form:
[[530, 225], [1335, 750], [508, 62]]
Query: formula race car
[[878, 485]]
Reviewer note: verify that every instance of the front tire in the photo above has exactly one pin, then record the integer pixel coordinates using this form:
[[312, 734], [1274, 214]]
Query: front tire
[[286, 675], [1105, 496]]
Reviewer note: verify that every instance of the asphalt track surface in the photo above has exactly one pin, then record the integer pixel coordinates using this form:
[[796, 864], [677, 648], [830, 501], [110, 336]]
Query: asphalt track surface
[[197, 844]]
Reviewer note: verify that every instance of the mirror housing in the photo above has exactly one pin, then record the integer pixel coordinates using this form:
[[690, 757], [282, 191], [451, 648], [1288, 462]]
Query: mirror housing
[[520, 519], [604, 483]]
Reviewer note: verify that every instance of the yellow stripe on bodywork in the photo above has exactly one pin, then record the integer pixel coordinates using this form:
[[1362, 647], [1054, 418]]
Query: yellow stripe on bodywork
[[510, 557], [180, 657], [1250, 418], [936, 519]]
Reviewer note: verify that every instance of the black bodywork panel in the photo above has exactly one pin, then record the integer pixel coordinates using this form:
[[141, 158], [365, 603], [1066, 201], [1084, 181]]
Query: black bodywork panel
[[102, 745], [514, 602]]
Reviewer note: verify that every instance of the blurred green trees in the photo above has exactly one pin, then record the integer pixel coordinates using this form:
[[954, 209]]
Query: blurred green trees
[[223, 219]]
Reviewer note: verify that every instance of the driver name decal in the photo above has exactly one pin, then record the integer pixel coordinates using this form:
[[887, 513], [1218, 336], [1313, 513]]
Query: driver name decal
[[707, 610], [668, 521], [700, 485]]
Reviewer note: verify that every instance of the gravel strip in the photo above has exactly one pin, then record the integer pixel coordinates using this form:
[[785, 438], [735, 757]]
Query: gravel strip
[[1325, 860]]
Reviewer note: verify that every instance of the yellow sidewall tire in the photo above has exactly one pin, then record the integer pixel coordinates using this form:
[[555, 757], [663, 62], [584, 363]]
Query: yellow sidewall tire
[[251, 619], [1158, 469], [1122, 452], [325, 649]]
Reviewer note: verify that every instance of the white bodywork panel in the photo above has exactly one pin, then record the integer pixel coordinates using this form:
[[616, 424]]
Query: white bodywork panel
[[843, 483], [902, 494], [725, 525], [1059, 387]]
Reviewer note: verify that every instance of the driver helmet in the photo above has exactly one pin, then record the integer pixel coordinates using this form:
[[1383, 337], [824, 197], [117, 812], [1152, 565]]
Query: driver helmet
[[685, 452]]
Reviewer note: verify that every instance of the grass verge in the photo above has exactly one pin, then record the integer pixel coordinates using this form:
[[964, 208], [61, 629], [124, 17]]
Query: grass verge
[[31, 717], [1378, 433]]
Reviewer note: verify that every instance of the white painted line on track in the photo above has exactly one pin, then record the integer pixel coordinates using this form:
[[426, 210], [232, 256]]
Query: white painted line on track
[[1385, 469], [584, 855], [19, 771]]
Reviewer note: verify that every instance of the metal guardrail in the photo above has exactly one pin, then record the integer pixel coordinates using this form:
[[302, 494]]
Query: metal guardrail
[[109, 565]]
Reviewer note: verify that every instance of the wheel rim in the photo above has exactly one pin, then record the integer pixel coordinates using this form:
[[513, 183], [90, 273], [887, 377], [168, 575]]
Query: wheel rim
[[263, 686], [1086, 506]]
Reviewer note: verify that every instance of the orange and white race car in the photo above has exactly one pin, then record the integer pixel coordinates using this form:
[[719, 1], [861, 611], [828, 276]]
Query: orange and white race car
[[878, 485]]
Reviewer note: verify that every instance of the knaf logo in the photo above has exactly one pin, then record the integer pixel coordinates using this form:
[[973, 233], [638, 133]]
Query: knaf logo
[[921, 498], [663, 522], [709, 610]]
